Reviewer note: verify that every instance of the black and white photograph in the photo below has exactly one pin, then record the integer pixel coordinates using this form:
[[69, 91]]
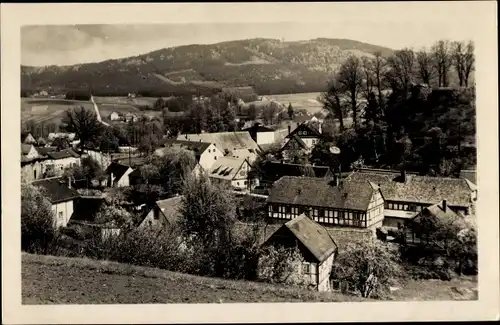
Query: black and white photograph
[[319, 153]]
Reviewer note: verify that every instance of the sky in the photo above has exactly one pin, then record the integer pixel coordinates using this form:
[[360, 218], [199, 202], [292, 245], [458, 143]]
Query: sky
[[401, 26]]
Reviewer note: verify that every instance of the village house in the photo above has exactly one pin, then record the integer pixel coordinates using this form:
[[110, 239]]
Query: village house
[[308, 134], [206, 153], [57, 161], [224, 141], [261, 134], [28, 138], [438, 213], [61, 195], [231, 171], [316, 247], [118, 175], [345, 203], [115, 116], [32, 166], [407, 194], [130, 117], [163, 215]]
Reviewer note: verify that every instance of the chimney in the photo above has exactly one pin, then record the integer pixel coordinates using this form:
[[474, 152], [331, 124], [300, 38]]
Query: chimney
[[186, 136], [111, 180], [403, 175], [444, 205], [69, 182], [289, 129]]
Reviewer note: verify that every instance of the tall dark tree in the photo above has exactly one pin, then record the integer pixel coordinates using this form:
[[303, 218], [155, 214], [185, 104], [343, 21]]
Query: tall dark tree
[[252, 112], [84, 123], [469, 62], [332, 101], [290, 111]]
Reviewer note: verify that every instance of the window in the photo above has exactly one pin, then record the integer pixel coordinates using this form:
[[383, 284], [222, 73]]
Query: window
[[237, 183], [215, 157], [208, 150], [306, 268], [60, 214], [245, 183], [288, 209]]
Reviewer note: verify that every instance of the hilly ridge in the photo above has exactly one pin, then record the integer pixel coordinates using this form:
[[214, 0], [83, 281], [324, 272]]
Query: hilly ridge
[[269, 65]]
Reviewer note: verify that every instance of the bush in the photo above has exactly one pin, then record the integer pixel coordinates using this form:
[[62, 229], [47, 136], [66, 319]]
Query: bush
[[37, 221]]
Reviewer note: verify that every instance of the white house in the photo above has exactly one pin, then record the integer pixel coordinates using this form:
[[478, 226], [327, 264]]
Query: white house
[[206, 153], [231, 171], [224, 141], [61, 195], [118, 175], [57, 161], [309, 135], [261, 134], [115, 116]]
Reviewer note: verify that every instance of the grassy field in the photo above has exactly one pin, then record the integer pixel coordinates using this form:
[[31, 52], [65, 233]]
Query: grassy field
[[307, 101], [48, 110], [58, 280]]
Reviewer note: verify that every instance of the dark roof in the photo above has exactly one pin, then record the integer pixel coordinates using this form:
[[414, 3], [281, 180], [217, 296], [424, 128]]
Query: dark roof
[[66, 153], [117, 169], [320, 192], [25, 148], [274, 170], [447, 217], [313, 236], [170, 208], [56, 189], [419, 189], [44, 150], [24, 135], [297, 139], [305, 127]]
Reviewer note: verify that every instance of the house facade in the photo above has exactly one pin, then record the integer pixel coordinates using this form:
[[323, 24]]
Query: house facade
[[118, 175], [58, 161], [328, 202], [261, 134], [316, 247], [206, 153], [232, 172], [115, 116], [309, 135], [61, 195]]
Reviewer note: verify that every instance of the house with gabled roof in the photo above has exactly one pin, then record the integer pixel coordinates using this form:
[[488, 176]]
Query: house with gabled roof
[[316, 247], [231, 171], [118, 174], [206, 153], [28, 138], [432, 216], [308, 134], [261, 134], [61, 194], [345, 203], [58, 161], [407, 194], [163, 215], [224, 141]]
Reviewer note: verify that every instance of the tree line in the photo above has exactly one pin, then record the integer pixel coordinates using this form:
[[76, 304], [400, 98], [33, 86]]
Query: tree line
[[403, 110]]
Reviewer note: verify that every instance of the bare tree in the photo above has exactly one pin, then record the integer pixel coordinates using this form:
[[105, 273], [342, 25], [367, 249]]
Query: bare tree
[[331, 100], [402, 69], [458, 58], [469, 62], [426, 70], [442, 61], [379, 67], [351, 82], [368, 77]]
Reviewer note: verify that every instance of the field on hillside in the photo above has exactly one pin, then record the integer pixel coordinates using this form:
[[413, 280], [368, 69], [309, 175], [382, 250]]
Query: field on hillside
[[48, 110], [307, 101], [59, 280]]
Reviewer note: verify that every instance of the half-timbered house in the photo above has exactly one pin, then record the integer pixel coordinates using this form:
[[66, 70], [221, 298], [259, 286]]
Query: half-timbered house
[[358, 204]]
